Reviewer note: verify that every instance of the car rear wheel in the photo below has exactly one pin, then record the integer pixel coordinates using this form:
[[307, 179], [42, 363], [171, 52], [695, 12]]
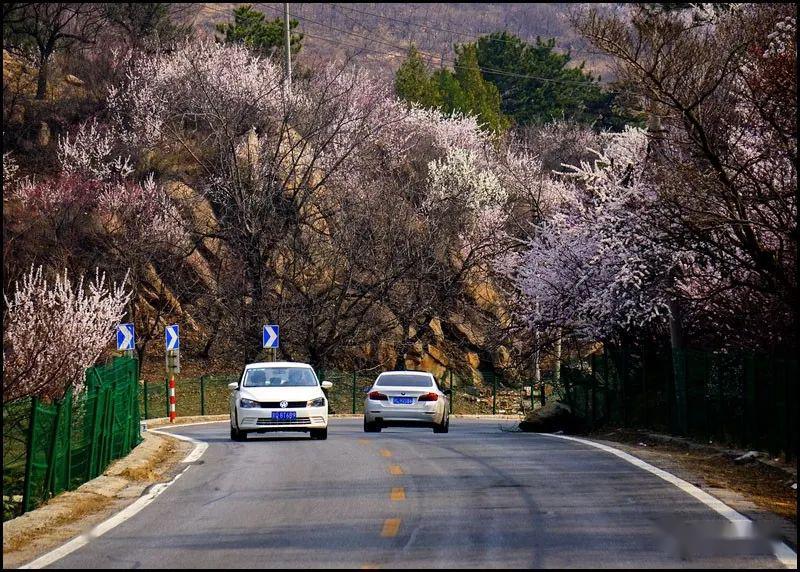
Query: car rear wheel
[[321, 434], [371, 427], [444, 427]]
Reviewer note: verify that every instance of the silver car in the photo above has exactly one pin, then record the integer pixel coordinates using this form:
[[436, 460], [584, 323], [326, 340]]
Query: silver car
[[406, 399]]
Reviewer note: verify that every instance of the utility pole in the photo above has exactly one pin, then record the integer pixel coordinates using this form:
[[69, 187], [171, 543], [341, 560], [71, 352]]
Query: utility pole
[[288, 40]]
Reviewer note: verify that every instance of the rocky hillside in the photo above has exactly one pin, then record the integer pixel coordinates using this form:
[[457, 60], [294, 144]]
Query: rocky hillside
[[377, 35]]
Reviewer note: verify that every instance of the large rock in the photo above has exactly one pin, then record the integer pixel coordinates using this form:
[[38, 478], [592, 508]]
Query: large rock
[[436, 328], [555, 416], [43, 134], [72, 80]]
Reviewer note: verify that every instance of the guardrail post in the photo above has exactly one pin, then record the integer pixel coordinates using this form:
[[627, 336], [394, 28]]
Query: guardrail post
[[354, 392]]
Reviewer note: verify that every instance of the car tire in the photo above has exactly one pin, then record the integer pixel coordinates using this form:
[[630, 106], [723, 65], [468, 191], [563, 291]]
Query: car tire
[[442, 427], [237, 435], [371, 427], [320, 434]]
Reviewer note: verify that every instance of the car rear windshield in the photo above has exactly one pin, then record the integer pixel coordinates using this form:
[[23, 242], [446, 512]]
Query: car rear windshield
[[404, 380], [279, 377]]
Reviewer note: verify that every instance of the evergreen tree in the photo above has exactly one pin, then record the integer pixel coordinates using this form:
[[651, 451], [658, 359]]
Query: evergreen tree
[[250, 27], [481, 98], [557, 90], [463, 91], [414, 83]]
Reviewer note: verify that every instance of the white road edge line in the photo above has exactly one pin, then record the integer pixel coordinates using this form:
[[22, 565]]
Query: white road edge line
[[126, 513], [742, 524]]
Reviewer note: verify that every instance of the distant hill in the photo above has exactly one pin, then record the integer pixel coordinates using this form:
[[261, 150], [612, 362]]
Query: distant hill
[[377, 35]]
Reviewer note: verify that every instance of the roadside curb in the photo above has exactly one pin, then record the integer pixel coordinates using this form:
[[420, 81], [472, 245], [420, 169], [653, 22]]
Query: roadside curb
[[124, 479]]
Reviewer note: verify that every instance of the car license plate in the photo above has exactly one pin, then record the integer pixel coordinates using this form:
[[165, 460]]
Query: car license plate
[[404, 400], [284, 415]]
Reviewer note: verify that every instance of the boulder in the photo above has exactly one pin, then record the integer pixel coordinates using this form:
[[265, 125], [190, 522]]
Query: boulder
[[72, 80], [437, 354], [436, 328], [555, 416], [502, 357], [43, 134]]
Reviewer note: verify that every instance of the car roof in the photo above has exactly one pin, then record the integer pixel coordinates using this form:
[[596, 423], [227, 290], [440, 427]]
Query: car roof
[[407, 373], [269, 364]]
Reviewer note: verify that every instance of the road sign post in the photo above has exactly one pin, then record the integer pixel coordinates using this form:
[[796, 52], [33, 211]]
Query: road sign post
[[126, 337], [270, 339], [172, 344]]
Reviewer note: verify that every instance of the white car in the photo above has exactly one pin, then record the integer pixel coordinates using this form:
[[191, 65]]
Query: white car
[[278, 396], [406, 399]]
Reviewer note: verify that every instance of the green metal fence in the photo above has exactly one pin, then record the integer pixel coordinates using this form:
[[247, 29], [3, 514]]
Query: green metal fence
[[52, 447], [208, 394], [736, 398]]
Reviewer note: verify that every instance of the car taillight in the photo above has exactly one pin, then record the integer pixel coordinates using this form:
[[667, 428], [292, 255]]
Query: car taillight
[[428, 397], [378, 396]]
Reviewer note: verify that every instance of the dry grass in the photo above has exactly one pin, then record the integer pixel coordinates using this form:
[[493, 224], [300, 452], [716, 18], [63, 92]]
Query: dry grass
[[154, 467], [768, 487], [81, 505]]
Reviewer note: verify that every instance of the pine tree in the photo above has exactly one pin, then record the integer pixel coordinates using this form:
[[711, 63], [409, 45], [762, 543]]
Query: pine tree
[[250, 27], [413, 82], [463, 91], [482, 99]]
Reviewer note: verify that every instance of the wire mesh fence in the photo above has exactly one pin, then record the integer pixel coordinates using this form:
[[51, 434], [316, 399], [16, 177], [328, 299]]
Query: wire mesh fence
[[204, 395], [52, 447], [209, 394], [737, 398]]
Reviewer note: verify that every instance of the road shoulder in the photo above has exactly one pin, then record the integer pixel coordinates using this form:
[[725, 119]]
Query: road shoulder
[[762, 492], [157, 459]]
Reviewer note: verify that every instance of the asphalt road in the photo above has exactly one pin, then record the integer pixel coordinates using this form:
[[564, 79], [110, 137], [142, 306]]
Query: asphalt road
[[479, 496]]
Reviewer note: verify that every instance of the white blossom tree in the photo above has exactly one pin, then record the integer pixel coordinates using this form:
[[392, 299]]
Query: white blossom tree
[[53, 331]]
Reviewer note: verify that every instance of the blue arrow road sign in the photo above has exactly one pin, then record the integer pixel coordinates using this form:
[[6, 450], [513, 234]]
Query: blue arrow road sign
[[173, 341], [270, 337], [126, 337]]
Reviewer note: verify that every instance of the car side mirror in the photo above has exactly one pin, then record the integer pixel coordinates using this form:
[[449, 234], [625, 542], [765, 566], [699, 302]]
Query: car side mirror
[[447, 392], [234, 385], [326, 385]]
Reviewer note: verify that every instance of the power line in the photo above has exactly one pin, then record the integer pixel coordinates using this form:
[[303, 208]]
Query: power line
[[440, 58], [471, 35], [403, 50]]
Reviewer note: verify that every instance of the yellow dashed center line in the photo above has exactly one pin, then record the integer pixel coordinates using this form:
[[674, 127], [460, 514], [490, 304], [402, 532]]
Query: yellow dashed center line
[[398, 494], [386, 453], [390, 527], [395, 469]]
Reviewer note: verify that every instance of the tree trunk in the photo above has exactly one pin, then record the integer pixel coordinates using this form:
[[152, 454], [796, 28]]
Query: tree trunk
[[41, 82], [557, 369], [537, 370], [678, 366]]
